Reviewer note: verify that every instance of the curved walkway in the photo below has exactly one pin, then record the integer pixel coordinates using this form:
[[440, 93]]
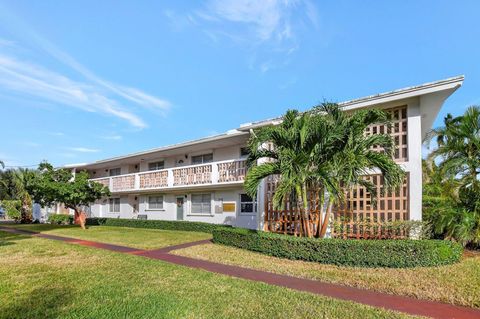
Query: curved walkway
[[368, 297]]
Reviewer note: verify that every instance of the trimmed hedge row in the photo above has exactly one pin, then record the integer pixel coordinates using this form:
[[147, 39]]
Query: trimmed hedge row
[[60, 219], [156, 224], [360, 253]]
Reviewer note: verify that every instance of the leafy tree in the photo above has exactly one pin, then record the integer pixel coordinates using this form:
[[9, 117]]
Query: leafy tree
[[324, 149], [60, 186]]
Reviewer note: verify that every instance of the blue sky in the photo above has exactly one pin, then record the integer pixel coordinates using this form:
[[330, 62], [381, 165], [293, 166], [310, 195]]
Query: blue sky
[[86, 80]]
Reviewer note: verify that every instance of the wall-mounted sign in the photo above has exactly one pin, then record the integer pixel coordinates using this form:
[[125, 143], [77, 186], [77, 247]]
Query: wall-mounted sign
[[229, 207]]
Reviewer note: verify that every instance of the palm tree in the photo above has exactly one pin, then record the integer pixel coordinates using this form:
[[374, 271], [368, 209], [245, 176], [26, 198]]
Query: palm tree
[[13, 186], [458, 157], [458, 147], [324, 149], [2, 164]]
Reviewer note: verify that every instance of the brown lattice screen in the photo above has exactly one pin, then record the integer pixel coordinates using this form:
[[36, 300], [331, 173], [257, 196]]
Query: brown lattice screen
[[399, 128], [352, 216]]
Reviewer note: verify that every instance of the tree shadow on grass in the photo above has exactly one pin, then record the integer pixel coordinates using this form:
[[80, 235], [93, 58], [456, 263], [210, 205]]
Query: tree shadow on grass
[[44, 302], [7, 239]]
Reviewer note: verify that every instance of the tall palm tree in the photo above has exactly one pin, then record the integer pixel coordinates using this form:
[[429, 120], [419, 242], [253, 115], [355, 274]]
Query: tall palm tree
[[324, 149], [458, 147], [13, 186], [457, 153]]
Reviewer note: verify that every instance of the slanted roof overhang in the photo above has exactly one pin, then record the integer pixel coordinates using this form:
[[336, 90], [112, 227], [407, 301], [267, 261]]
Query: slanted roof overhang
[[431, 94]]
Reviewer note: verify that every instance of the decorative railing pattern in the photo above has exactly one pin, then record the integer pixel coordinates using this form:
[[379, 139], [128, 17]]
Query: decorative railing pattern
[[231, 172], [211, 173], [192, 175], [103, 181], [154, 179], [123, 182]]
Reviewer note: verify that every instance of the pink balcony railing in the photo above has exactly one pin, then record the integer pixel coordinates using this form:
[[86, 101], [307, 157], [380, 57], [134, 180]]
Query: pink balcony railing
[[120, 183], [154, 179], [193, 175], [231, 171]]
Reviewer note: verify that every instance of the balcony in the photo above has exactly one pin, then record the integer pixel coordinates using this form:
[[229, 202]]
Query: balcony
[[216, 173]]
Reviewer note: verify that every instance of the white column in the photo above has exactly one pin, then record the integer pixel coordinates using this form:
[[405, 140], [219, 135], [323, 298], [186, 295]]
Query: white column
[[215, 174], [415, 160], [261, 205], [170, 178], [136, 184]]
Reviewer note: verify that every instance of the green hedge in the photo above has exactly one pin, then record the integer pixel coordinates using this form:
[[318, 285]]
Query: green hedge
[[361, 253], [156, 224], [60, 219]]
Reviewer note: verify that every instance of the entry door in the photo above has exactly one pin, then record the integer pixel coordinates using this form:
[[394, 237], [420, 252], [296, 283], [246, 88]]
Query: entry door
[[179, 208]]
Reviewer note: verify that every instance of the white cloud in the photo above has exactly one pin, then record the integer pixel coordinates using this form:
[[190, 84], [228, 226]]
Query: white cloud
[[83, 149], [57, 133], [90, 93], [268, 27], [34, 80], [112, 137], [264, 20]]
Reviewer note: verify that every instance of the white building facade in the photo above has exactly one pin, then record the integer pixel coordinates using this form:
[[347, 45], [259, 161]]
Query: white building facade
[[202, 180]]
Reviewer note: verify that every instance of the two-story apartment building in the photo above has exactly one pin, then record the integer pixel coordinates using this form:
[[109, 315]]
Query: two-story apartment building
[[202, 180]]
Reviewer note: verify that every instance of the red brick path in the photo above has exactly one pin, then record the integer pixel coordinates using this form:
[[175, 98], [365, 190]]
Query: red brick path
[[368, 297]]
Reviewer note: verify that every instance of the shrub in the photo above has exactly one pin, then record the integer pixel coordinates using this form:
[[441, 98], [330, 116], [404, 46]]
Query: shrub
[[156, 224], [351, 252], [366, 229], [60, 219]]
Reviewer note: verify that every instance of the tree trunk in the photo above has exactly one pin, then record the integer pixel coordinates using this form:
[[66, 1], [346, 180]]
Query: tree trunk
[[303, 205], [80, 218], [326, 219], [320, 216]]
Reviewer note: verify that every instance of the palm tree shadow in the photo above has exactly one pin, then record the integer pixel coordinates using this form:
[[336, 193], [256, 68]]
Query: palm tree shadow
[[44, 302]]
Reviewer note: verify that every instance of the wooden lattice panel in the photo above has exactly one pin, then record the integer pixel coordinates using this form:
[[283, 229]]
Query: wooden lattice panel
[[398, 130], [357, 209], [287, 220], [361, 217]]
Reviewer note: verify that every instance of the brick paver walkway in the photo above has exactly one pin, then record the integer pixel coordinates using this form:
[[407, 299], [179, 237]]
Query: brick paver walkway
[[368, 297]]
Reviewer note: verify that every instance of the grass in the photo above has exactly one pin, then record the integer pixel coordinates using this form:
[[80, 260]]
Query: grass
[[456, 284], [41, 278], [132, 237]]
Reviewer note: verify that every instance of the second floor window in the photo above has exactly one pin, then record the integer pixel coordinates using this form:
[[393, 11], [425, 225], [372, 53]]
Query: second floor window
[[156, 166], [115, 171], [202, 159], [244, 151], [114, 206]]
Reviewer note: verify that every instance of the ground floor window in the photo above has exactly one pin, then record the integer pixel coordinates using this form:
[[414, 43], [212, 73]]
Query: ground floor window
[[155, 202], [248, 204], [114, 206], [201, 204]]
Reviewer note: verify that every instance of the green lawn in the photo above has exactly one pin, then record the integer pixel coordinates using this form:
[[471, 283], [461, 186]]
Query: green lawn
[[133, 237], [457, 284], [42, 278]]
